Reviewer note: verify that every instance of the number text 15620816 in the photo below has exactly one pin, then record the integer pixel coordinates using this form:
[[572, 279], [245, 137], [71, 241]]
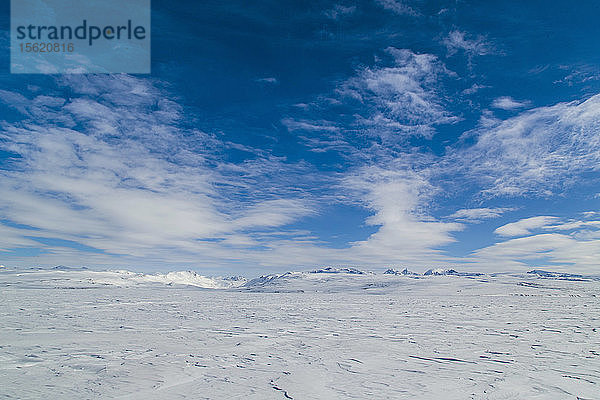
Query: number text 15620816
[[46, 47]]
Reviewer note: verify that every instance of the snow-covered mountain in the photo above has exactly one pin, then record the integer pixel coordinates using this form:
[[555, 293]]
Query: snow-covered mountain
[[65, 268], [449, 272], [83, 278], [188, 278], [326, 279], [440, 271], [405, 272], [333, 270], [343, 279], [560, 275]]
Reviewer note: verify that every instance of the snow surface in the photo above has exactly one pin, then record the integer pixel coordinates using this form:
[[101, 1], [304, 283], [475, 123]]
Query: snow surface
[[80, 334]]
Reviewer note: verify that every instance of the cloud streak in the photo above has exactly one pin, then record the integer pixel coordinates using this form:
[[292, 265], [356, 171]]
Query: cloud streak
[[398, 7], [402, 99], [109, 168], [525, 226], [508, 103], [476, 215], [539, 151], [461, 41]]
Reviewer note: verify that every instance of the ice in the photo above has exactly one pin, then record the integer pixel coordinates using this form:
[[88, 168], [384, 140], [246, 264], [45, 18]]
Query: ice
[[76, 334]]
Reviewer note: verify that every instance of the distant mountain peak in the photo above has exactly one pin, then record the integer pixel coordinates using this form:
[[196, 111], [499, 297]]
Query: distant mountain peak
[[65, 268], [405, 271], [440, 271], [556, 275], [334, 270]]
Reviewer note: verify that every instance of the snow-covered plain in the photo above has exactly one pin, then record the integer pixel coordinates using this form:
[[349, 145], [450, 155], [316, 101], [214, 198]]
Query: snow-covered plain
[[332, 334]]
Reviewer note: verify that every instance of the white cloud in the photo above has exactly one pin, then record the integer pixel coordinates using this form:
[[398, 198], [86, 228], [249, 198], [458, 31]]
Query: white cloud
[[475, 215], [403, 98], [552, 247], [398, 199], [521, 253], [508, 103], [535, 152], [525, 226], [398, 6], [457, 40], [339, 11], [309, 125], [273, 213], [572, 225], [110, 169], [271, 80], [474, 89], [16, 237], [579, 74], [553, 251]]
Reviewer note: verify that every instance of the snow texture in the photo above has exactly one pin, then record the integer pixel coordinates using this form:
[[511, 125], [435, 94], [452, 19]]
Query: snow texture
[[81, 334]]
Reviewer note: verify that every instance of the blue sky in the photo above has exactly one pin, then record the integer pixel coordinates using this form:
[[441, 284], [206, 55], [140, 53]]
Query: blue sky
[[287, 135]]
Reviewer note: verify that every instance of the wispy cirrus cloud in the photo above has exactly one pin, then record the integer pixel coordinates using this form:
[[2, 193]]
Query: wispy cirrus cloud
[[339, 11], [476, 215], [572, 225], [113, 168], [473, 46], [268, 80], [474, 89], [508, 103], [525, 226], [578, 74], [398, 7], [401, 99], [536, 152], [14, 237], [310, 125]]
